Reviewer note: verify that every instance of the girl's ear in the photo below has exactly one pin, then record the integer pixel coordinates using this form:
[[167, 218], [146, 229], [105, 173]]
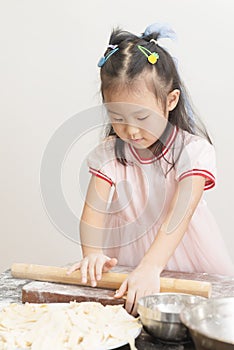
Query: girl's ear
[[172, 99]]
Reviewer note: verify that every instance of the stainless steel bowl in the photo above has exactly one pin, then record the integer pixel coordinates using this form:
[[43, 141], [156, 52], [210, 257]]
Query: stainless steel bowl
[[160, 314], [211, 324]]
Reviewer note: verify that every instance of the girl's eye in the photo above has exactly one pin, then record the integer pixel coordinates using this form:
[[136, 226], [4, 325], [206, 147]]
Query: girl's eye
[[143, 118], [117, 120]]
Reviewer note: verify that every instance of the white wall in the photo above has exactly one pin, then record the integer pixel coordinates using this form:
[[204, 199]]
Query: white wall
[[49, 50]]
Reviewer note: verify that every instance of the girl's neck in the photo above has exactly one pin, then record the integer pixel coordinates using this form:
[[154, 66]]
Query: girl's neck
[[148, 153]]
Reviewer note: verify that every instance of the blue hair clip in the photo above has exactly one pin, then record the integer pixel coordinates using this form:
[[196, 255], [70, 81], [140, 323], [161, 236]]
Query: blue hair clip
[[103, 59]]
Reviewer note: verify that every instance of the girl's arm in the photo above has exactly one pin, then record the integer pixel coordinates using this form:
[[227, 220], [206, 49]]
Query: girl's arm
[[183, 205], [144, 280], [93, 215], [91, 232]]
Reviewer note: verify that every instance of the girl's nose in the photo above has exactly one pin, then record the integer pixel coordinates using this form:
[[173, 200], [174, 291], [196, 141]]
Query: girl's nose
[[132, 130]]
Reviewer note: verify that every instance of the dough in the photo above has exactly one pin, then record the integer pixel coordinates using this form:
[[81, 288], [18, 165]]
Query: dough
[[71, 326]]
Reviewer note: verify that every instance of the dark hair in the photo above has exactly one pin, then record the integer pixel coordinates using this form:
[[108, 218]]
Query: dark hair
[[127, 63]]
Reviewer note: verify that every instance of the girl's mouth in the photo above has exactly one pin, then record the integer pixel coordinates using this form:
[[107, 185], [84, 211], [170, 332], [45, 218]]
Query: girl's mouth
[[136, 140]]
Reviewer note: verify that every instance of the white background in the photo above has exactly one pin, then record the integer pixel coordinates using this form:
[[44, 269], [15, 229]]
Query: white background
[[48, 73]]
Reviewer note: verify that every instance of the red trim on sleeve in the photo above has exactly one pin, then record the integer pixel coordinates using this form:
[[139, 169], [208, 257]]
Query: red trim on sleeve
[[101, 175], [210, 179]]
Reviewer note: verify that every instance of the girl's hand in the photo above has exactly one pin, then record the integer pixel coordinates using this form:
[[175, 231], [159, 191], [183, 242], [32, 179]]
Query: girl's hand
[[93, 265], [142, 281]]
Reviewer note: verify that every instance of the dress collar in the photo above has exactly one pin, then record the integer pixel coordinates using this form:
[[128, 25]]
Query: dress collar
[[167, 146]]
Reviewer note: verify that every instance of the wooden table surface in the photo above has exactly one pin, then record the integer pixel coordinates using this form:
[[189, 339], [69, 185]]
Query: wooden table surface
[[222, 286]]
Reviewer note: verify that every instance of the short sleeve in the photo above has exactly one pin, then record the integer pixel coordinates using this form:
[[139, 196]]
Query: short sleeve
[[102, 161], [197, 159]]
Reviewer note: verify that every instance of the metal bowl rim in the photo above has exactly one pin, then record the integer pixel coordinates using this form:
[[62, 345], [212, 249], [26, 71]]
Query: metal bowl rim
[[169, 294], [175, 294], [164, 315]]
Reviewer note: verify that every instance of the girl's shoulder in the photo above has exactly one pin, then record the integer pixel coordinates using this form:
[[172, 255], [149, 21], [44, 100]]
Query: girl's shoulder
[[102, 161], [195, 157], [190, 140], [103, 152]]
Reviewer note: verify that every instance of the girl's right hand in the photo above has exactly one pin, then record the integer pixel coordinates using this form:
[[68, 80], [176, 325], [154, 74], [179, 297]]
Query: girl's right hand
[[93, 265]]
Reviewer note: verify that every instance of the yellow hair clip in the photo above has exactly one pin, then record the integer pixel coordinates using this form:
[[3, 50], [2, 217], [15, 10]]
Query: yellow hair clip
[[151, 56]]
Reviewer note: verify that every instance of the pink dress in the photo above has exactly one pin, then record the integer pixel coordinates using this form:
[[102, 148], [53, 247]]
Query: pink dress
[[141, 195]]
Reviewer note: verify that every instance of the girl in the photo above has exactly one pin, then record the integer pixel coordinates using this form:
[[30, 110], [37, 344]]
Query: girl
[[144, 206]]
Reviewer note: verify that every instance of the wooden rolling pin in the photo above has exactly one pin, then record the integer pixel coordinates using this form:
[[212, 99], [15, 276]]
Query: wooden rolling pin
[[109, 280]]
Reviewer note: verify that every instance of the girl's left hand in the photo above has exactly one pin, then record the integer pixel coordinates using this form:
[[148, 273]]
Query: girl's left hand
[[144, 280]]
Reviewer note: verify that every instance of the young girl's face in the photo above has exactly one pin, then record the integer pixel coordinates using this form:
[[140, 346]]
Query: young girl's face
[[136, 116]]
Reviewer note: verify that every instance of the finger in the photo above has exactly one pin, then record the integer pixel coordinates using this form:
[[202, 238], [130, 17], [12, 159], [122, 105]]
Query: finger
[[99, 268], [135, 306], [111, 263], [83, 270], [129, 304], [73, 268], [122, 290], [92, 273]]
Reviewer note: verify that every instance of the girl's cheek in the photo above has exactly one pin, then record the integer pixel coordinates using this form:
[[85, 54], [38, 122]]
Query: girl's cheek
[[156, 127], [118, 129]]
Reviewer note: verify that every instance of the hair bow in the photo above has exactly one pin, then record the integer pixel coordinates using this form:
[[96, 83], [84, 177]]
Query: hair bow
[[164, 30]]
